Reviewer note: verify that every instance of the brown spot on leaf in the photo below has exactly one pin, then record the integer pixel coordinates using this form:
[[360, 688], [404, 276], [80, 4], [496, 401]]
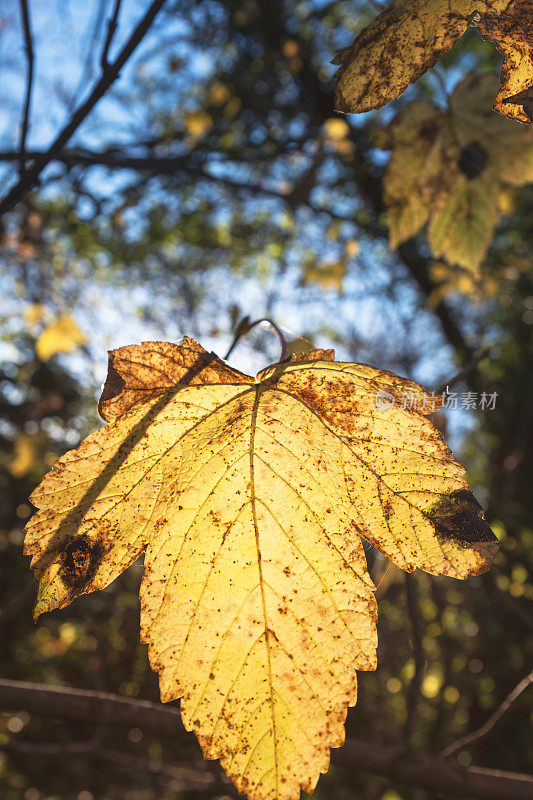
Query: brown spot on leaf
[[79, 562], [459, 516], [473, 160]]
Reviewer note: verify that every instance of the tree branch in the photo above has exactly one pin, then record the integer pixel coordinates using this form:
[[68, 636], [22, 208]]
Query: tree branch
[[433, 774], [190, 779], [111, 28], [31, 176], [28, 39], [494, 718]]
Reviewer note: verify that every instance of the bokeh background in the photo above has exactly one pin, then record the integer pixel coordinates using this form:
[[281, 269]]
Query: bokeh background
[[213, 182]]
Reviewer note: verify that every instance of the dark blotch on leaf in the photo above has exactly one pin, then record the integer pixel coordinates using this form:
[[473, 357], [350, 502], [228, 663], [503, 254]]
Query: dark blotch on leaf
[[459, 516], [473, 160], [429, 131], [79, 562]]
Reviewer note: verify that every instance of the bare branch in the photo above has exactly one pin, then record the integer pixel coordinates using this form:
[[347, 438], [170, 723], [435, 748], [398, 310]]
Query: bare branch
[[189, 778], [111, 28], [28, 40], [417, 769], [416, 263], [467, 369], [31, 176], [493, 720]]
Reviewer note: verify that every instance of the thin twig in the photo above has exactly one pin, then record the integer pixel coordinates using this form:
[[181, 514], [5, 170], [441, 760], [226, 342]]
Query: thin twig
[[28, 39], [494, 718], [109, 76], [111, 28], [413, 691], [466, 370], [245, 326]]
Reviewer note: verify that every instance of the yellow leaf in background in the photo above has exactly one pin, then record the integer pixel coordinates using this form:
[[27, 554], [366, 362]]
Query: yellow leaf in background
[[409, 36], [352, 248], [438, 271], [336, 132], [198, 123], [327, 275], [336, 129], [455, 280], [506, 201], [62, 336], [509, 146], [421, 167], [461, 230], [250, 497], [218, 94], [25, 456], [450, 168], [34, 313]]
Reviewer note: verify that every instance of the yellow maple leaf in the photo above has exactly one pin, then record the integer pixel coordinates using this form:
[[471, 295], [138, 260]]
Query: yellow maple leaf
[[512, 32], [461, 229], [62, 336], [326, 274], [409, 36], [422, 165], [449, 168], [249, 497]]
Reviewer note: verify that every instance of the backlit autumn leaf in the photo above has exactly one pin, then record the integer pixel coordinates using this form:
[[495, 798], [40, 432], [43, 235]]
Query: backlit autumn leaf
[[409, 36], [449, 168], [512, 32], [249, 497]]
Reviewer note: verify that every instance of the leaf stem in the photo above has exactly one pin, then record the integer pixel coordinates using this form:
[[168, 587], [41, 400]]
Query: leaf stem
[[245, 326]]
